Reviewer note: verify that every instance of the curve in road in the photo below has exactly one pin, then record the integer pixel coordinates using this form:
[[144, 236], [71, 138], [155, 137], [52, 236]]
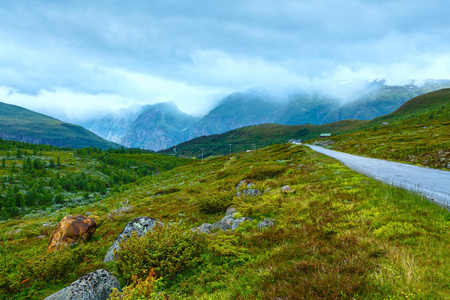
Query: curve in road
[[431, 183]]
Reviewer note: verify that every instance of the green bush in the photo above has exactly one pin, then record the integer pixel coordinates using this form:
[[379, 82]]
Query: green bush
[[167, 250], [265, 172], [139, 289], [212, 201]]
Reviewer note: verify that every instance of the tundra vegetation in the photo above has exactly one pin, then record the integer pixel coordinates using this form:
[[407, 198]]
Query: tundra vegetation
[[337, 233]]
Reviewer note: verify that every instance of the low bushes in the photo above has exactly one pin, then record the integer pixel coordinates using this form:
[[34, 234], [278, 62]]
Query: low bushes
[[265, 172], [167, 250]]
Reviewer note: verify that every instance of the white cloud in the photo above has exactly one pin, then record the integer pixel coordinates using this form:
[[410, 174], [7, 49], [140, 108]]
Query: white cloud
[[77, 56]]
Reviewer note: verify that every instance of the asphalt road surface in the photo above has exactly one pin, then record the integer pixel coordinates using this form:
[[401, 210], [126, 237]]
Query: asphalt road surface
[[431, 183]]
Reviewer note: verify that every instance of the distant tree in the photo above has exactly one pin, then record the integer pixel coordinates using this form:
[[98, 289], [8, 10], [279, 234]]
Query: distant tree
[[19, 154]]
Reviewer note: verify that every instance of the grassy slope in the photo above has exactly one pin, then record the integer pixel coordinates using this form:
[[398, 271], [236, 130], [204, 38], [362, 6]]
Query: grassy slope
[[256, 136], [418, 133], [338, 234], [17, 123]]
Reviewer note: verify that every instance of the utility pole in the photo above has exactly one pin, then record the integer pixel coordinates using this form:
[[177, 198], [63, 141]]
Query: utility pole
[[230, 147], [202, 154], [254, 147]]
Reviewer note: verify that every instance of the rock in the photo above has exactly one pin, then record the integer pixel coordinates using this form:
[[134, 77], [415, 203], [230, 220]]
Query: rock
[[286, 189], [265, 223], [267, 190], [126, 202], [249, 192], [241, 184], [141, 225], [204, 228], [97, 285], [230, 211], [223, 224], [239, 221], [71, 230]]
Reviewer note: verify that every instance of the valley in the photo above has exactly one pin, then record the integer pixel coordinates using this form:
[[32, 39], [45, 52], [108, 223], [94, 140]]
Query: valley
[[335, 234]]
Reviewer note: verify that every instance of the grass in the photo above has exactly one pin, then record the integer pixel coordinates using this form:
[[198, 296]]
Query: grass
[[338, 234]]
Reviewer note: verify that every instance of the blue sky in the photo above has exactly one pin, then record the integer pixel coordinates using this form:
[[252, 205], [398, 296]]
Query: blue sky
[[76, 59]]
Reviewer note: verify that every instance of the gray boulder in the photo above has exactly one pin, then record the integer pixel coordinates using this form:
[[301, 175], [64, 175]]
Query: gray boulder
[[265, 223], [141, 225], [230, 210], [223, 224], [204, 228], [249, 192], [239, 221], [97, 285]]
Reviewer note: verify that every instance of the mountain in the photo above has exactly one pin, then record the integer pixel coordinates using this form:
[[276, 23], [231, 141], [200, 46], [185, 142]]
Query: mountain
[[383, 100], [160, 126], [304, 108], [238, 110], [148, 127], [20, 124], [260, 106], [114, 126], [427, 106]]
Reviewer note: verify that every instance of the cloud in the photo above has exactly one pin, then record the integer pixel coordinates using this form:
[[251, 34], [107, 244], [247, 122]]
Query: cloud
[[195, 52]]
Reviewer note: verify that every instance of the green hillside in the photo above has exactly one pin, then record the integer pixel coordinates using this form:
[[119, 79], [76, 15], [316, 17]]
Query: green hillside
[[337, 235], [418, 133], [20, 124], [258, 136]]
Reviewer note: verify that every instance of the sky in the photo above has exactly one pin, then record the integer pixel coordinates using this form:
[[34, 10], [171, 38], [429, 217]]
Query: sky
[[80, 59]]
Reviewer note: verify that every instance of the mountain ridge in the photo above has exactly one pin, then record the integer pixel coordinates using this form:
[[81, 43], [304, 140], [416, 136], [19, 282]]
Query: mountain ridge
[[260, 106], [20, 124]]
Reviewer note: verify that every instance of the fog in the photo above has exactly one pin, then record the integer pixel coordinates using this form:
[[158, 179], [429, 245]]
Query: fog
[[79, 59]]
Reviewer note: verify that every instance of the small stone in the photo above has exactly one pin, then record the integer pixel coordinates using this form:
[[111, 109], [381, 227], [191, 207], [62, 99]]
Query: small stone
[[230, 210], [223, 224], [286, 189], [265, 223], [239, 221], [249, 192], [126, 202], [241, 184], [204, 228]]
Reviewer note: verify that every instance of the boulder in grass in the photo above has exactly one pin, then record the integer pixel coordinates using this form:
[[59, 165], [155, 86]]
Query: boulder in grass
[[141, 225], [97, 285], [265, 223], [204, 228], [239, 221], [71, 230], [249, 192], [286, 189]]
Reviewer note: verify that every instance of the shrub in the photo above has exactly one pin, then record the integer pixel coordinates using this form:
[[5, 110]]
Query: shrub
[[139, 289], [212, 201], [265, 172], [167, 250]]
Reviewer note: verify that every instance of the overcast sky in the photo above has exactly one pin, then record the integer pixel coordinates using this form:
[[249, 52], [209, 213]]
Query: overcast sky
[[75, 58]]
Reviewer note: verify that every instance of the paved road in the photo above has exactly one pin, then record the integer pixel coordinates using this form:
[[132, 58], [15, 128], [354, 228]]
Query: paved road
[[431, 183]]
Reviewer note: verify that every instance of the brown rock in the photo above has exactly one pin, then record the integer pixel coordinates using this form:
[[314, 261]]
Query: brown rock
[[71, 230]]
